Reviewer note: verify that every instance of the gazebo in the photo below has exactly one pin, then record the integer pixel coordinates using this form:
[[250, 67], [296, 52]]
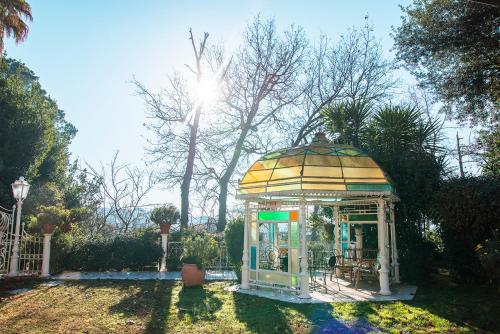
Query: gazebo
[[280, 188]]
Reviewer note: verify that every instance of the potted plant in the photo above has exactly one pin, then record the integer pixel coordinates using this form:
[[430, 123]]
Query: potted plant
[[49, 216], [165, 216], [198, 252]]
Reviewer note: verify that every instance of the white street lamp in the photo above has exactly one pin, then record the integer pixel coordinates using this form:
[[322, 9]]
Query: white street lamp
[[20, 190]]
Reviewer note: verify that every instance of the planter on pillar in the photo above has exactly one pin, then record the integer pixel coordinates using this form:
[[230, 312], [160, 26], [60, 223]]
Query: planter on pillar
[[47, 229], [165, 228]]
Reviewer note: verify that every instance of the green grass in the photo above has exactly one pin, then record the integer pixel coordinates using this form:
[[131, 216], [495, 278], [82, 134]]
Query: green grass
[[161, 306]]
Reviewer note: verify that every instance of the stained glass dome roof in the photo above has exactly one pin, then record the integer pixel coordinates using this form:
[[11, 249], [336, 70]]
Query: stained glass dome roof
[[318, 167]]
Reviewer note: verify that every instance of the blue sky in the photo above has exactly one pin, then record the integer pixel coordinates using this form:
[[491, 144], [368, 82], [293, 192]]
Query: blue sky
[[87, 52]]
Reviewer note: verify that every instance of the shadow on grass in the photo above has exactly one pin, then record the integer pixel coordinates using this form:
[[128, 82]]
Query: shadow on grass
[[323, 321], [468, 305], [199, 303], [9, 284], [260, 315], [154, 299]]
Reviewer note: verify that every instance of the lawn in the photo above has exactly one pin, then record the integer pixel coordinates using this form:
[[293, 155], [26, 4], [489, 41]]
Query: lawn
[[163, 306]]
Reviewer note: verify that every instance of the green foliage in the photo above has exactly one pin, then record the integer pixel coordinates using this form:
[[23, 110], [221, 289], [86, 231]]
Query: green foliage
[[165, 214], [348, 120], [467, 211], [132, 252], [489, 143], [233, 237], [453, 47], [407, 147], [34, 136], [200, 249], [192, 259], [52, 215]]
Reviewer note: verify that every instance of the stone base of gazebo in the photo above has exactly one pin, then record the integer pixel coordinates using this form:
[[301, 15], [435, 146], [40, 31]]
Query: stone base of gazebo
[[367, 291]]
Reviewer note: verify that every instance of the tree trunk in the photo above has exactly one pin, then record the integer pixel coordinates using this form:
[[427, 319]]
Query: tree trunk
[[224, 181], [188, 174], [222, 221]]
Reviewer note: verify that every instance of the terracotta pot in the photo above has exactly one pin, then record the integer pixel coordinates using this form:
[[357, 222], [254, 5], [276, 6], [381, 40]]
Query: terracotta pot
[[48, 228], [191, 275], [164, 228]]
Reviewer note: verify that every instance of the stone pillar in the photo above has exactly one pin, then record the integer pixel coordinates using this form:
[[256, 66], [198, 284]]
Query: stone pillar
[[359, 242], [164, 246], [46, 255], [383, 249], [395, 263], [245, 270], [304, 272]]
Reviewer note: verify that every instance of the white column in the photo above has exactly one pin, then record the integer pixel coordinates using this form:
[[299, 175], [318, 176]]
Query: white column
[[395, 263], [245, 270], [14, 261], [164, 247], [46, 255], [304, 272], [383, 247], [359, 242], [338, 244]]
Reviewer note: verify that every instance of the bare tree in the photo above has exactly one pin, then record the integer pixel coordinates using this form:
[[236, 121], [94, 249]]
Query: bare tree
[[260, 83], [353, 69], [123, 189], [176, 113]]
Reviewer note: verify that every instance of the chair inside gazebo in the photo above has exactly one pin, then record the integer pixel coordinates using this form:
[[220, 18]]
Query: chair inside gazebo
[[283, 187]]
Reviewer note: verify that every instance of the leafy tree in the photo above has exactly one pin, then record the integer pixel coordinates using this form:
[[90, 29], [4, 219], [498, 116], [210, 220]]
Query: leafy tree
[[34, 134], [453, 47], [467, 211], [12, 13], [406, 146]]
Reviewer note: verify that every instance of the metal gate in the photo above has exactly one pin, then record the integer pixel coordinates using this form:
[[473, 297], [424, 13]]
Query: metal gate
[[30, 246], [6, 231]]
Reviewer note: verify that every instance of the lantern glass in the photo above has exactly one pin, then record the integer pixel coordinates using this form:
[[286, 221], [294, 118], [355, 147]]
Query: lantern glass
[[20, 189]]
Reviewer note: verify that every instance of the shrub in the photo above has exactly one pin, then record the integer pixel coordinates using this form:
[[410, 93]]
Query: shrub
[[467, 211], [233, 236], [122, 252], [200, 249]]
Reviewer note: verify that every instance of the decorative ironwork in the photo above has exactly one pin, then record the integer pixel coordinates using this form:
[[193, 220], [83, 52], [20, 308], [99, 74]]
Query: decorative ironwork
[[30, 253], [6, 233]]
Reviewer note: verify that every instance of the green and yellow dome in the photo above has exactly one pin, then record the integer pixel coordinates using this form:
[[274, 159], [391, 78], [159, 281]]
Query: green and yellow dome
[[318, 167]]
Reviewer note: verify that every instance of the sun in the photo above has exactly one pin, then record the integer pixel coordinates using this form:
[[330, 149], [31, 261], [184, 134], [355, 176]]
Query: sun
[[206, 91]]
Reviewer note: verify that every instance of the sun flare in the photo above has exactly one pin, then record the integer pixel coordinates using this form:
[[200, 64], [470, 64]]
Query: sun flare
[[206, 91]]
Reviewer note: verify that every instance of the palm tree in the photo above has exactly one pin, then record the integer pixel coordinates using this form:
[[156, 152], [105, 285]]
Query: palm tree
[[348, 121], [12, 13], [403, 128]]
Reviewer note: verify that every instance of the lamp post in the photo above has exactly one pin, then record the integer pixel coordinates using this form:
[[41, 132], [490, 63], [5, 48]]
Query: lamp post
[[20, 190]]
